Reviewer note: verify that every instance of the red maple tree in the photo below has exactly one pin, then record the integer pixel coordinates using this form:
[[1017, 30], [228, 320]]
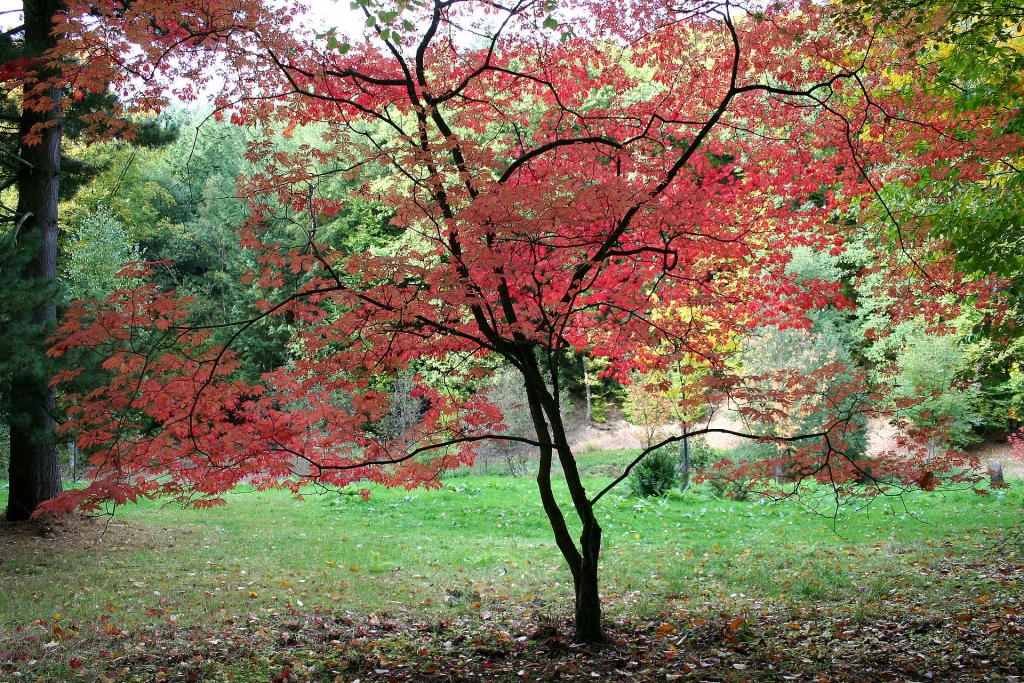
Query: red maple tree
[[622, 179]]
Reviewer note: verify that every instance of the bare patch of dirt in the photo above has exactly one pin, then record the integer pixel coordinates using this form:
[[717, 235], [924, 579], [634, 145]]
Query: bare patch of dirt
[[49, 534], [616, 433], [998, 450], [612, 435]]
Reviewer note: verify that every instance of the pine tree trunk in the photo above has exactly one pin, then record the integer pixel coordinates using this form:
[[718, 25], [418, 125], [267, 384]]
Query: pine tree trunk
[[34, 466]]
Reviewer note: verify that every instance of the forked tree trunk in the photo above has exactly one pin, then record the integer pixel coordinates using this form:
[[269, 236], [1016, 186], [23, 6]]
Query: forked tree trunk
[[34, 464], [582, 560]]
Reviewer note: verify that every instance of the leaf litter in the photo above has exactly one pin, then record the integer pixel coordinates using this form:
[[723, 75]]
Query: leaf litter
[[975, 632]]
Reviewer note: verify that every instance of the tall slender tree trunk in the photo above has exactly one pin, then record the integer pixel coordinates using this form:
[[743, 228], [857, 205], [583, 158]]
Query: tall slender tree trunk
[[684, 460], [586, 385], [34, 466]]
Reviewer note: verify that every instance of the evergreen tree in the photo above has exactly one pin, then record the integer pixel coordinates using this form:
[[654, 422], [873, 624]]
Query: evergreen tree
[[31, 401]]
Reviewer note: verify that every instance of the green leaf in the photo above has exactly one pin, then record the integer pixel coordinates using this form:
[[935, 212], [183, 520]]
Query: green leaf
[[408, 25], [551, 23], [332, 43], [385, 34], [371, 20], [344, 47]]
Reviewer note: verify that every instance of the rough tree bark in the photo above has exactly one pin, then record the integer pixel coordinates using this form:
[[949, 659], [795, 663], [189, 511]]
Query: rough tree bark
[[34, 466]]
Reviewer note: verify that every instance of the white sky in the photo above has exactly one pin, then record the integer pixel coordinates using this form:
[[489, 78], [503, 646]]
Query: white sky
[[11, 13]]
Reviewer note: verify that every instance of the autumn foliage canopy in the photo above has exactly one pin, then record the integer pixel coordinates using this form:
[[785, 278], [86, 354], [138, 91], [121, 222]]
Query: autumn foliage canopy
[[626, 180], [620, 179]]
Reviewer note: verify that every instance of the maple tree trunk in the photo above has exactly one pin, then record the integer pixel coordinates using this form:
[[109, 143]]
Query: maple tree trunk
[[589, 628], [582, 560], [34, 464]]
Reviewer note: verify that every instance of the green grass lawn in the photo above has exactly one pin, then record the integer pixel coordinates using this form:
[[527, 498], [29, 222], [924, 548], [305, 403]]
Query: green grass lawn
[[481, 544]]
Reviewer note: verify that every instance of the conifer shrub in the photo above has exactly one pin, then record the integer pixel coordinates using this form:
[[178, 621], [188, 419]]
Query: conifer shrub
[[655, 475]]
